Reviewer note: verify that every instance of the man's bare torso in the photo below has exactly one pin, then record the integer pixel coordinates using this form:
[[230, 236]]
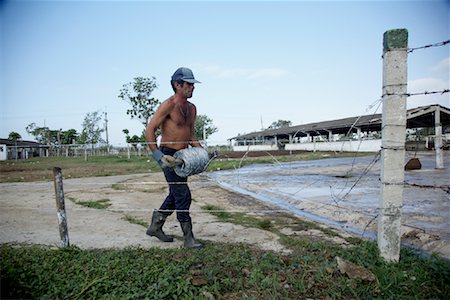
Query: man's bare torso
[[177, 128]]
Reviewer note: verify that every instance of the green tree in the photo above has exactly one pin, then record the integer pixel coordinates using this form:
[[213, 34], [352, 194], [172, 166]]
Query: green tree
[[41, 134], [280, 124], [134, 140], [138, 94], [204, 125], [69, 136], [45, 135], [92, 132], [14, 136]]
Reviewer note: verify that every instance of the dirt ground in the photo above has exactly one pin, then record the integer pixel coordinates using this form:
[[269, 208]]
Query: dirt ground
[[28, 214]]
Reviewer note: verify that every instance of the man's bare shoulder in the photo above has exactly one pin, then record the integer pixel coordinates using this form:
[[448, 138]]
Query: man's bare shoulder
[[169, 101], [167, 104]]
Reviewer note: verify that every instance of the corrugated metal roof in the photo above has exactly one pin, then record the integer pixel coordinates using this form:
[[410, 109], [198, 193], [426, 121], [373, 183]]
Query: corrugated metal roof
[[416, 117]]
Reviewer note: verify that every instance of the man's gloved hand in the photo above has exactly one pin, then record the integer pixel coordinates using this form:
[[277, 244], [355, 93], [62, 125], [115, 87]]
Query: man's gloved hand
[[170, 161], [165, 161], [213, 154]]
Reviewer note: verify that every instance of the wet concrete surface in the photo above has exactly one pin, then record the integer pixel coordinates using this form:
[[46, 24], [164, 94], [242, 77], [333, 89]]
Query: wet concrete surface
[[345, 192]]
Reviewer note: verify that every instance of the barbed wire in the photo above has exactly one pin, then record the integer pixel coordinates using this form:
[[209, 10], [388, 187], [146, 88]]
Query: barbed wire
[[418, 94], [443, 43]]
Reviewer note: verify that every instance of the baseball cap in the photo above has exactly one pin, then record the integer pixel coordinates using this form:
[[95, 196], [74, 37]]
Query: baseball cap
[[184, 74]]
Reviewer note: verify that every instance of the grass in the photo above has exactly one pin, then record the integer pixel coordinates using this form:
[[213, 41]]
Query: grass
[[135, 220], [97, 204], [238, 218], [220, 271], [41, 169]]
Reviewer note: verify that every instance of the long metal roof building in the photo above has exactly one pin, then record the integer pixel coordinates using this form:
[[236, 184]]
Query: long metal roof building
[[420, 117]]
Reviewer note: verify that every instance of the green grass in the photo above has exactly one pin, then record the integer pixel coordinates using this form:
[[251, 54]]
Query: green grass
[[135, 220], [238, 218], [98, 204], [224, 271], [41, 168]]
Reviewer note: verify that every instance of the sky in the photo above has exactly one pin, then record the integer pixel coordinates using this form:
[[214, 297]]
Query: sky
[[258, 61]]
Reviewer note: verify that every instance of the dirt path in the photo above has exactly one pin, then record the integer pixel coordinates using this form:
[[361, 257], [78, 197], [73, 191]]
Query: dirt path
[[28, 213]]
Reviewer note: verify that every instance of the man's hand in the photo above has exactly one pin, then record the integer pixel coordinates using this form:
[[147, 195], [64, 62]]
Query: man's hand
[[170, 161], [165, 161], [213, 155]]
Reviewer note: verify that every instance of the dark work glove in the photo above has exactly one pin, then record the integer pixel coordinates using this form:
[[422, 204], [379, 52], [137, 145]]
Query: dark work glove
[[165, 161], [213, 154]]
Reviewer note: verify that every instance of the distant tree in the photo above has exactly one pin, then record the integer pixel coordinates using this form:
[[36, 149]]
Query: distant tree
[[45, 135], [204, 124], [92, 132], [134, 140], [280, 124], [14, 136], [138, 94], [41, 134], [69, 136]]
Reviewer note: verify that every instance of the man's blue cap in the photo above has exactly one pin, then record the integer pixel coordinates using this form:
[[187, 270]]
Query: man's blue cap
[[184, 74]]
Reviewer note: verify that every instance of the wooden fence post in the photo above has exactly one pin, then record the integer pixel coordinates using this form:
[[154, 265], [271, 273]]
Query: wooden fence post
[[61, 207], [395, 43]]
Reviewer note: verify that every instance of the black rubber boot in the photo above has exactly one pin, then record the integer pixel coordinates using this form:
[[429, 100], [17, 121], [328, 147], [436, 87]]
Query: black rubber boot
[[189, 240], [155, 229]]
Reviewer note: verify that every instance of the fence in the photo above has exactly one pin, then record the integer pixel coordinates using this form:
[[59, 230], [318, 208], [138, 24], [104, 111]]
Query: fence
[[79, 150]]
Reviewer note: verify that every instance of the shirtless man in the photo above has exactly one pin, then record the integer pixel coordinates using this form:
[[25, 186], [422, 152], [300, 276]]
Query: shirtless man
[[176, 118]]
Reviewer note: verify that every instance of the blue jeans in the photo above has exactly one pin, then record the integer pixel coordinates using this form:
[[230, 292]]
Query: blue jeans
[[179, 197]]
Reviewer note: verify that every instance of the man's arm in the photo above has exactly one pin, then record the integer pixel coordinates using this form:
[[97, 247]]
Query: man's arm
[[150, 132], [161, 113]]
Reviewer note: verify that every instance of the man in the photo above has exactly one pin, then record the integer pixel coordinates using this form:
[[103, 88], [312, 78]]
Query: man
[[176, 118]]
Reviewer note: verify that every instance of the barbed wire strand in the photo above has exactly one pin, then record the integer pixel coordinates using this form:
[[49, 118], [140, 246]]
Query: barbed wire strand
[[439, 44], [419, 93]]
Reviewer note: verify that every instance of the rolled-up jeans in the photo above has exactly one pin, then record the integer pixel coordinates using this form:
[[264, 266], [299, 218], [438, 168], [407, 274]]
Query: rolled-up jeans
[[179, 197]]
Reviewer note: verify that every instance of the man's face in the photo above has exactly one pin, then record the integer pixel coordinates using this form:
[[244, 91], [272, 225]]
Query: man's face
[[187, 89]]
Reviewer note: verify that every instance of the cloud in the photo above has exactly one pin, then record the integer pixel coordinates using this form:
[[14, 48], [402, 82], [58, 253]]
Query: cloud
[[245, 73]]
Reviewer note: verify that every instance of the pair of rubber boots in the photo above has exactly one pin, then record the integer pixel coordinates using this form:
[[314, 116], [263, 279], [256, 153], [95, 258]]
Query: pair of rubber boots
[[155, 229]]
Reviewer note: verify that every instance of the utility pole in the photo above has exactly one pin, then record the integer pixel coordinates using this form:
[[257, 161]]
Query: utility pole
[[106, 129]]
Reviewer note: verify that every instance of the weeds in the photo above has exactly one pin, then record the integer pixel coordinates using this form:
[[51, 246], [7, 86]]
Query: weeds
[[97, 204], [218, 270], [134, 220]]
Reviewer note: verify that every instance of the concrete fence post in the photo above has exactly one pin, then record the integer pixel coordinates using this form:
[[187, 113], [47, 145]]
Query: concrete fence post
[[438, 140], [61, 207], [395, 43]]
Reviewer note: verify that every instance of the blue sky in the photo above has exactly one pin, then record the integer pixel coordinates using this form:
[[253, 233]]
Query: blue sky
[[258, 61]]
